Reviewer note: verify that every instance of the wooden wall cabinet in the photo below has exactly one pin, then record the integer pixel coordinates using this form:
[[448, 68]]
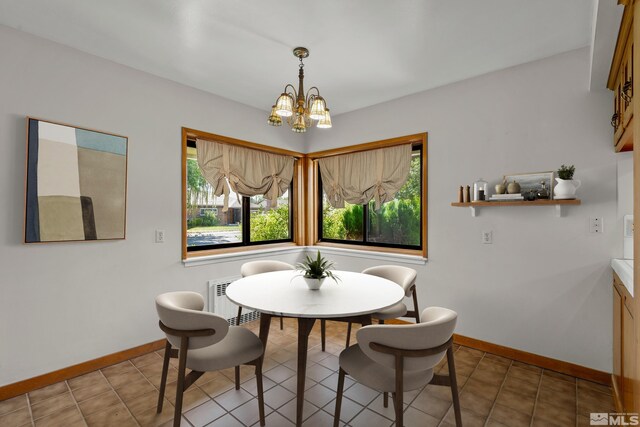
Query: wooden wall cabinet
[[621, 83], [624, 348]]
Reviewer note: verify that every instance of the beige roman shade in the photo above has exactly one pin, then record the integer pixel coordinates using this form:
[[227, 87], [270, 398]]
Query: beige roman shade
[[360, 177], [245, 171]]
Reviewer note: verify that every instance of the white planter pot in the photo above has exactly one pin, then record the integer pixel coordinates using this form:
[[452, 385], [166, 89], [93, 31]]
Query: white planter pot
[[313, 284], [566, 188]]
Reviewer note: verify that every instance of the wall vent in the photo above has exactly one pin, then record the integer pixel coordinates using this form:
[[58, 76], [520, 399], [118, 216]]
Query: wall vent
[[220, 304]]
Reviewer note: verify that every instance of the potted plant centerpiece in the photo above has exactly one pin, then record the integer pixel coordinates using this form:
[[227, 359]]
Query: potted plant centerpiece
[[316, 270], [566, 186]]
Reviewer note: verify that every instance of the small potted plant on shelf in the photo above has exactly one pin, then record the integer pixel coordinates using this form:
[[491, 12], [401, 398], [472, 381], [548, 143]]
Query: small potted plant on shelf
[[566, 187], [314, 271]]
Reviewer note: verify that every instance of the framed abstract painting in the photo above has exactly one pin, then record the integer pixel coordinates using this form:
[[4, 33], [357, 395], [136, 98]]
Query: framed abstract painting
[[76, 184]]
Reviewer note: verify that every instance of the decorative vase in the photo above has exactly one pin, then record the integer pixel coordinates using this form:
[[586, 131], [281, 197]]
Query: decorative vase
[[313, 283], [500, 189], [566, 188], [513, 188]]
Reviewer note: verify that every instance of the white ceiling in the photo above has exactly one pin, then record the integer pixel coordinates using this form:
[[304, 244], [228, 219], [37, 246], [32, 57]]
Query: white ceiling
[[363, 52]]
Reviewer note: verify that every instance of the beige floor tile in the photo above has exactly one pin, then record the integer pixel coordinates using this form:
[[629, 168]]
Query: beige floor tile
[[85, 380], [84, 393], [19, 417], [13, 404], [559, 376], [516, 401], [51, 405], [469, 419], [204, 414], [482, 389], [67, 417], [118, 369], [368, 418], [555, 414], [476, 404], [523, 374], [48, 392], [591, 386], [510, 417], [431, 405], [521, 387], [116, 415], [349, 409], [147, 359], [217, 386], [151, 418], [132, 390], [98, 403]]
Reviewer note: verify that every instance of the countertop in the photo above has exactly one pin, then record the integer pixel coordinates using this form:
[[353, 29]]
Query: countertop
[[624, 270]]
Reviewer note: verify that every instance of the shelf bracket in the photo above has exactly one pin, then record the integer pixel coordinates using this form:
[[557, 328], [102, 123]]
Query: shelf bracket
[[474, 213]]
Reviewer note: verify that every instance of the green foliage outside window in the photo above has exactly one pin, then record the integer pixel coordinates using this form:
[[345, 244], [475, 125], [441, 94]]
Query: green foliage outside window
[[272, 224]]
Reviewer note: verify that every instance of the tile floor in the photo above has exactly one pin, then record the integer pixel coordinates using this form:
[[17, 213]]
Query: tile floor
[[494, 391]]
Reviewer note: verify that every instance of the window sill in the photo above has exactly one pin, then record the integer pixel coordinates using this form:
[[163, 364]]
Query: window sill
[[216, 258], [223, 255], [408, 257]]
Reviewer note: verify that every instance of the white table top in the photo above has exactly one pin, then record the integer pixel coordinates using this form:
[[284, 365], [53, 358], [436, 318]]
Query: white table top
[[283, 294]]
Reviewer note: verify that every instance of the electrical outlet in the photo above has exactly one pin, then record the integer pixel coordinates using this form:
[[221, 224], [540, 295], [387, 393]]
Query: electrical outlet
[[596, 225], [159, 236], [487, 237]]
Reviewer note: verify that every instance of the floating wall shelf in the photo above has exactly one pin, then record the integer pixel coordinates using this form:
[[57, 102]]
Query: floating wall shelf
[[557, 203]]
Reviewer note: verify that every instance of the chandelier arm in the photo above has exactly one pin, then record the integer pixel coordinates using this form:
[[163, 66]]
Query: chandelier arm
[[294, 94]]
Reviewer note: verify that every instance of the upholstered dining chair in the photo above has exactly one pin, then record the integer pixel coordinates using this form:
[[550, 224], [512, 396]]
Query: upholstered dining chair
[[406, 278], [398, 358], [203, 342]]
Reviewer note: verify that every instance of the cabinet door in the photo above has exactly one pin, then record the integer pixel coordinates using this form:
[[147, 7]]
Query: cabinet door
[[628, 360], [617, 342]]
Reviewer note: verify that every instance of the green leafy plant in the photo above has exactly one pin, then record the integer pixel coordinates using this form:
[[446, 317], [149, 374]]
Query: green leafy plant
[[566, 172], [317, 268]]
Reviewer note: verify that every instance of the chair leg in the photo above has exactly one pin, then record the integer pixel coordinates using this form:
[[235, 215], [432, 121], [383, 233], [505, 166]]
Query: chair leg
[[182, 366], [336, 416], [163, 380], [397, 398], [239, 315], [323, 333], [415, 305], [380, 321], [385, 399], [237, 377], [454, 386], [281, 323], [260, 391], [348, 335]]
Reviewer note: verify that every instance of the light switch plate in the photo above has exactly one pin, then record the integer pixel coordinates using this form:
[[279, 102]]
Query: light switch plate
[[487, 237], [159, 236]]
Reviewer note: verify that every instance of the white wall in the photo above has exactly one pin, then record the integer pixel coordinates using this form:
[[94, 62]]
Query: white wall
[[544, 285], [62, 304]]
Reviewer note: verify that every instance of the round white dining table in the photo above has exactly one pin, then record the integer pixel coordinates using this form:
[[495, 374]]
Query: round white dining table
[[354, 297]]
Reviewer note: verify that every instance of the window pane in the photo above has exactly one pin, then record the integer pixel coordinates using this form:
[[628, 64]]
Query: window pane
[[342, 224], [206, 223], [269, 222], [398, 221]]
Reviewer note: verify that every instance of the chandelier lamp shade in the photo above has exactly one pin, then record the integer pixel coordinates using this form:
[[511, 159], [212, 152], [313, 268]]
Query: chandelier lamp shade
[[300, 110]]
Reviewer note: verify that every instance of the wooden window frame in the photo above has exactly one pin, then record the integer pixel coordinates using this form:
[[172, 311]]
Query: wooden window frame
[[313, 198], [296, 207]]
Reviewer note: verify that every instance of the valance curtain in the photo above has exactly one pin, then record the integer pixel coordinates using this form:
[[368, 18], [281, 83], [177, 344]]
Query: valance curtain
[[358, 178], [245, 171]]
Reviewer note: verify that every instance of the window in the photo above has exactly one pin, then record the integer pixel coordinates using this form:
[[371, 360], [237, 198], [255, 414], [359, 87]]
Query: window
[[398, 224], [248, 220]]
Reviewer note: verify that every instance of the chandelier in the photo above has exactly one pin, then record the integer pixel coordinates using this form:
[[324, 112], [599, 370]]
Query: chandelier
[[300, 110]]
